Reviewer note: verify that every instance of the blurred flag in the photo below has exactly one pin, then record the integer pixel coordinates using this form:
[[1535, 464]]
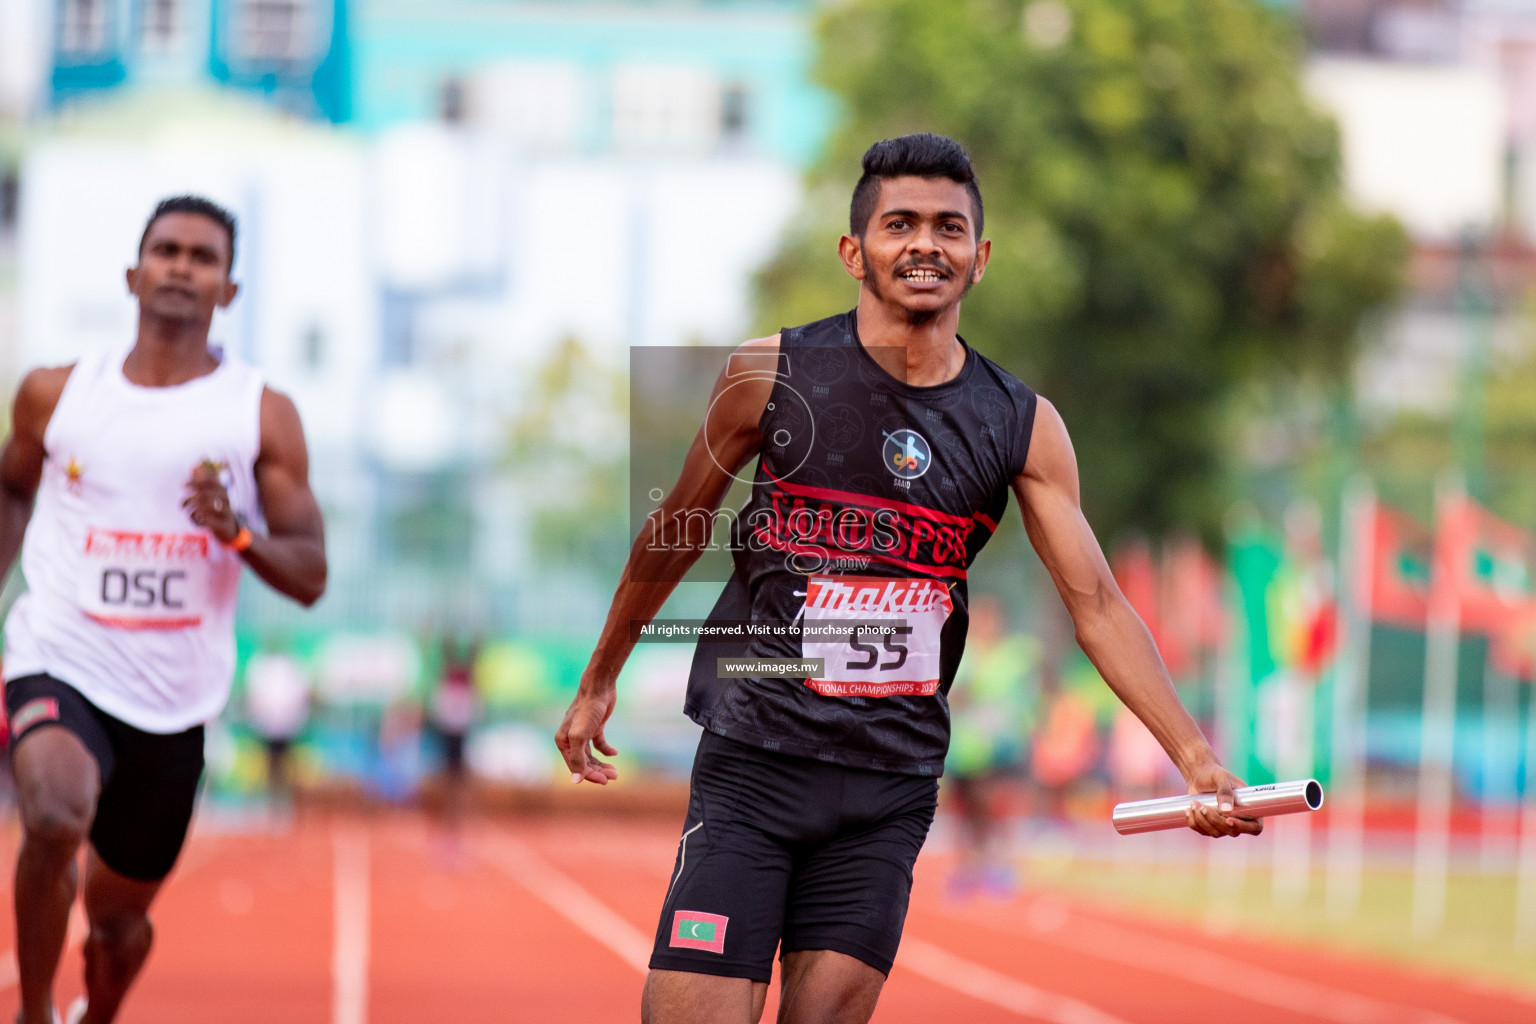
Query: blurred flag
[[1513, 648], [1399, 571], [1136, 573], [1316, 637], [1180, 600], [1303, 614], [1490, 561], [1191, 611], [1491, 564]]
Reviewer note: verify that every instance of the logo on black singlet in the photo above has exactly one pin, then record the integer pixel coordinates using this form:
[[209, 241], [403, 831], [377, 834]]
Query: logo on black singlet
[[906, 454]]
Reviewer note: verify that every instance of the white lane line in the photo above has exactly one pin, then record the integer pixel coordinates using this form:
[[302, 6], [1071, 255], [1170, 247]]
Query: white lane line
[[988, 986], [349, 955], [564, 896], [1148, 952]]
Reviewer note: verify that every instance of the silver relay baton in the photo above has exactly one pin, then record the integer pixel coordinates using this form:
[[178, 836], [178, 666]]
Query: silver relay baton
[[1250, 802]]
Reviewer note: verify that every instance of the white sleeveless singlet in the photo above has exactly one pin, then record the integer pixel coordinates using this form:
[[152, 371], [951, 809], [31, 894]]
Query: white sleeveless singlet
[[128, 600]]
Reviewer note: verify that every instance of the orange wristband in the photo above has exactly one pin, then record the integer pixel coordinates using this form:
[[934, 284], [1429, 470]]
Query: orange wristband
[[241, 540]]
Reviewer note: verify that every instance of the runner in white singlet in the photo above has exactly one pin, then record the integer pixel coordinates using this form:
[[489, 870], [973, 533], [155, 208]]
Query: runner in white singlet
[[135, 484]]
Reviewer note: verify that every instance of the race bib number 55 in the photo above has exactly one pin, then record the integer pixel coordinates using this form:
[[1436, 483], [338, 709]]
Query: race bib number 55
[[132, 579], [879, 636]]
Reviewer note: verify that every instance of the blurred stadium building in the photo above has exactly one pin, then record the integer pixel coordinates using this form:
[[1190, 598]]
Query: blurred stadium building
[[433, 197], [1436, 103]]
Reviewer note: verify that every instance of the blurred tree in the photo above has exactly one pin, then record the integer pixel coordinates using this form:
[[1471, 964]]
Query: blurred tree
[[1165, 208], [566, 447], [1407, 451], [1510, 411]]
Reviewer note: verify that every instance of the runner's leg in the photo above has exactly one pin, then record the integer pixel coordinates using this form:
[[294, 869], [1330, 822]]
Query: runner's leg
[[848, 901], [820, 986], [57, 785], [118, 910], [733, 866], [679, 997]]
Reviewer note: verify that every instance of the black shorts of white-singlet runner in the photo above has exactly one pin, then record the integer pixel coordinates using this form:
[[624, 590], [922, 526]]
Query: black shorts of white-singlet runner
[[148, 780], [453, 753], [790, 853]]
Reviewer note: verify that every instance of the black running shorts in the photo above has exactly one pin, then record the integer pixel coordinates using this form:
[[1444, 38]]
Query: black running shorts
[[148, 780], [789, 853], [453, 753]]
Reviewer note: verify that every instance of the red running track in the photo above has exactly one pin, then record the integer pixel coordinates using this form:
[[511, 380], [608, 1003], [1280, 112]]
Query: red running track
[[347, 920]]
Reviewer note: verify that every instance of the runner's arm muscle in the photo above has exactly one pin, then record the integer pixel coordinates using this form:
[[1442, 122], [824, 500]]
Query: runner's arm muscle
[[1107, 629], [291, 557], [727, 440], [23, 454]]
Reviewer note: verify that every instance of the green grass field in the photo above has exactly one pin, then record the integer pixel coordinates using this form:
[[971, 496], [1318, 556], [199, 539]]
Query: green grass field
[[1477, 940]]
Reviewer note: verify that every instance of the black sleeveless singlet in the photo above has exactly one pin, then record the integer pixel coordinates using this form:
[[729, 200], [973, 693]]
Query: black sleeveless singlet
[[870, 501]]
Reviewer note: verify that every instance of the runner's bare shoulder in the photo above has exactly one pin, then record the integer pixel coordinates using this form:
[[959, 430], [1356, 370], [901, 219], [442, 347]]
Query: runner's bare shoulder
[[740, 396], [282, 432], [1051, 455], [759, 355], [747, 380], [37, 398]]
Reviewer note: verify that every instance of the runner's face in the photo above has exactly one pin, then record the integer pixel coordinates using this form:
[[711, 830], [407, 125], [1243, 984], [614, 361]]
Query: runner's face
[[919, 250], [183, 271]]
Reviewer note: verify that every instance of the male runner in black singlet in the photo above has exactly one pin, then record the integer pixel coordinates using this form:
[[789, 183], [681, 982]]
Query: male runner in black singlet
[[887, 447]]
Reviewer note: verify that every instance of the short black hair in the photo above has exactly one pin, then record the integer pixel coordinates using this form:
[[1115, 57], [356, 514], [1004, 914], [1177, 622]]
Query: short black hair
[[919, 155], [200, 206]]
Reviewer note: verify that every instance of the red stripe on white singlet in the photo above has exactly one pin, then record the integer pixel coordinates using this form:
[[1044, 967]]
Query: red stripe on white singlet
[[119, 622]]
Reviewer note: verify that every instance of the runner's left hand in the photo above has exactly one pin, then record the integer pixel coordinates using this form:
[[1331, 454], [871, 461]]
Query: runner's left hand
[[207, 503], [1213, 778], [582, 730]]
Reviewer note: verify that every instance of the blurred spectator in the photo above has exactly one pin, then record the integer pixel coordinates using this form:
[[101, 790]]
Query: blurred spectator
[[991, 709], [1138, 767], [397, 771], [454, 711], [1066, 744], [277, 706]]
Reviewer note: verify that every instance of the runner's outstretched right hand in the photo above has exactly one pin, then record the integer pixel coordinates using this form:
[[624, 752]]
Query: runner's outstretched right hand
[[1209, 777], [582, 729]]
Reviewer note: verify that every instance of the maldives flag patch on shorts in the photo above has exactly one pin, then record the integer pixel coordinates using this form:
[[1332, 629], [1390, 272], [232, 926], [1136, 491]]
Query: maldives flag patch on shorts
[[692, 929], [40, 709]]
